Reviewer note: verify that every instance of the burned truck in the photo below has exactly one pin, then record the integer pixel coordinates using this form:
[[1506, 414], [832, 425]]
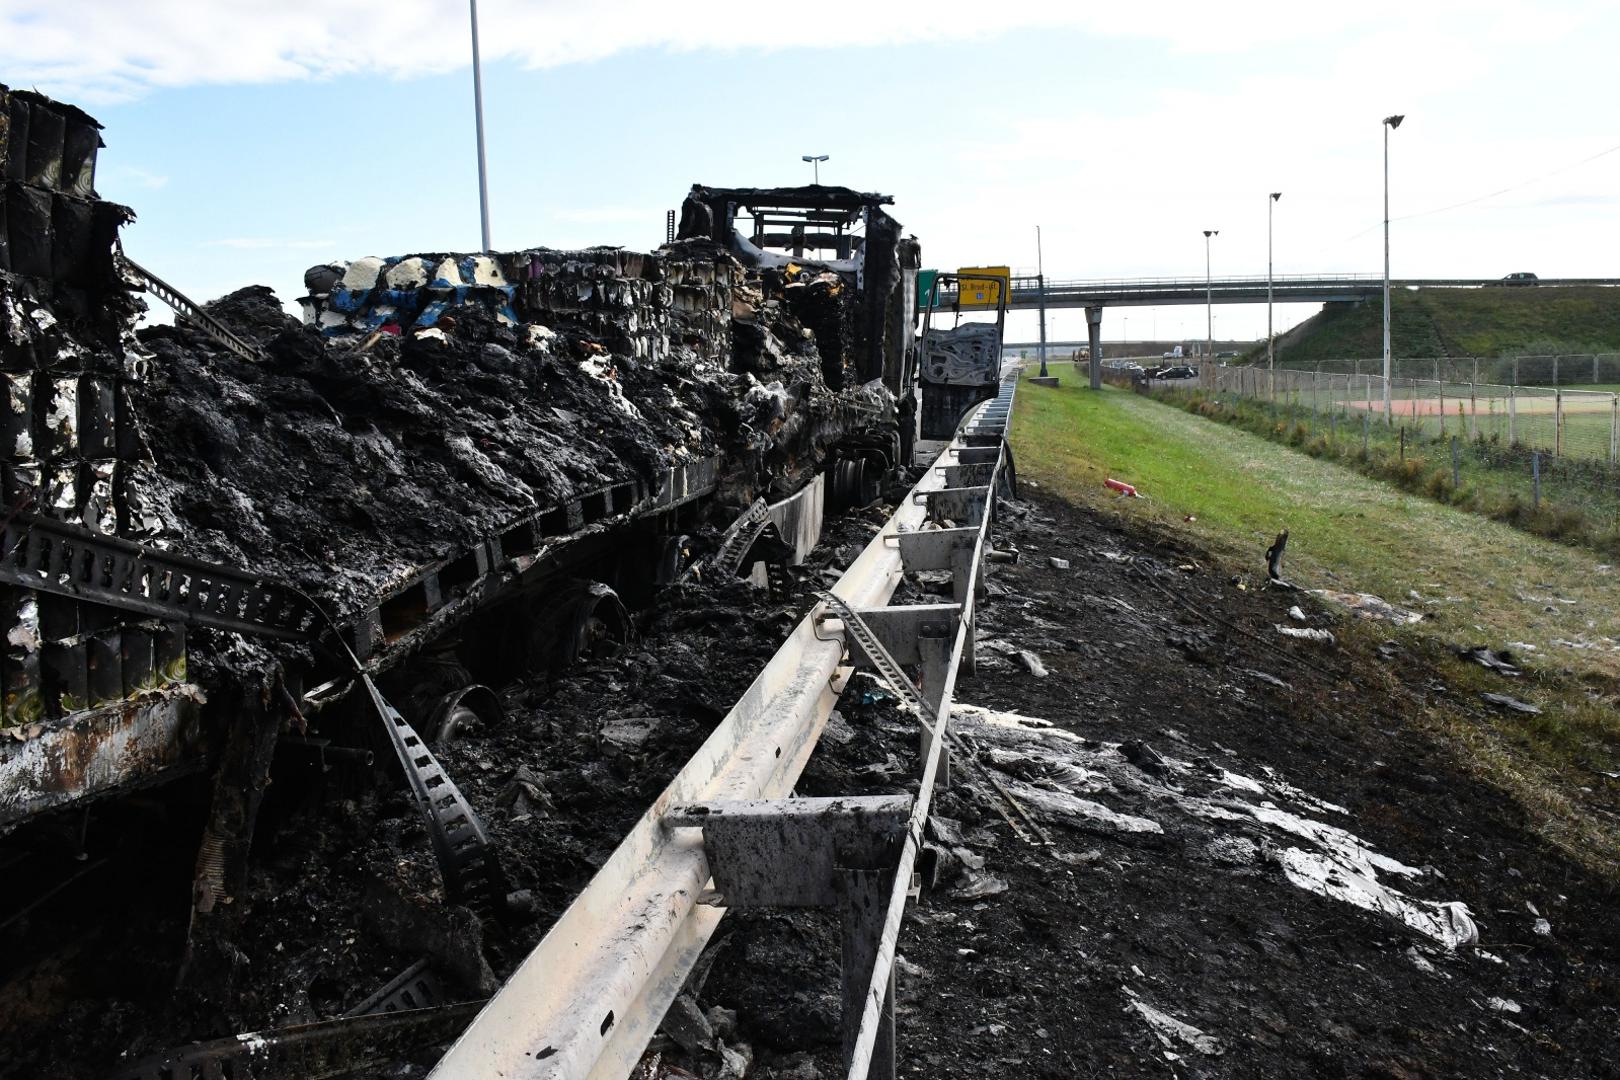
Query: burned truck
[[245, 535]]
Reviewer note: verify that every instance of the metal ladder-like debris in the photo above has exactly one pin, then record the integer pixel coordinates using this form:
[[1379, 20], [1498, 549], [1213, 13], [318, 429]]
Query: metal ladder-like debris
[[891, 672], [882, 660], [466, 860], [184, 305], [727, 560]]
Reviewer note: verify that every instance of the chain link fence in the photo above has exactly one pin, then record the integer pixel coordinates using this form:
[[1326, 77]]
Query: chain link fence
[[1572, 423], [1596, 370], [1546, 458]]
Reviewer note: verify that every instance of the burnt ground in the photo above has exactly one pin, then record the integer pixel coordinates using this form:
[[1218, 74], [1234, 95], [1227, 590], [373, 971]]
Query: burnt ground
[[1208, 761], [1149, 661]]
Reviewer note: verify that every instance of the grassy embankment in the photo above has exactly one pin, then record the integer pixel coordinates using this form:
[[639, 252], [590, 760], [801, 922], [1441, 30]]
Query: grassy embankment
[[1579, 498], [1462, 322], [1480, 581]]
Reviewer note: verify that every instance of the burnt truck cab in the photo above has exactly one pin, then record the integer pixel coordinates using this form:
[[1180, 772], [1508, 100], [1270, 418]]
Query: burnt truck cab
[[840, 263]]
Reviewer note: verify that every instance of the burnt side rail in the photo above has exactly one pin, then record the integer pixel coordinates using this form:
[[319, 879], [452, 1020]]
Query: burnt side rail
[[53, 557], [192, 311]]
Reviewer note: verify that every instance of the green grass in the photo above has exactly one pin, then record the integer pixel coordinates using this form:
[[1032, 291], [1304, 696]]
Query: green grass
[[1461, 322], [1579, 499], [1481, 581]]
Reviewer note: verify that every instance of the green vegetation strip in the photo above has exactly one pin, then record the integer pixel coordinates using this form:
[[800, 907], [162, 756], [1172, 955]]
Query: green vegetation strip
[[1481, 582], [1576, 500]]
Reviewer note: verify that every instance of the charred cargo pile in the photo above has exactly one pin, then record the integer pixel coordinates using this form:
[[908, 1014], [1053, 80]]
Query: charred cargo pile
[[431, 401], [70, 448]]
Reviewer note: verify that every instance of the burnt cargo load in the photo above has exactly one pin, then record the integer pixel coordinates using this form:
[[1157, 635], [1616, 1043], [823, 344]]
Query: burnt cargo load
[[442, 431]]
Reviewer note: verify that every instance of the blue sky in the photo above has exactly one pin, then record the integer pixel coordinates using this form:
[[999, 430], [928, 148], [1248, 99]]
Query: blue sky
[[254, 143]]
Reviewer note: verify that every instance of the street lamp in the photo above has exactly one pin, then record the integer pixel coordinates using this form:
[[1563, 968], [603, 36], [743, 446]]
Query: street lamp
[[1040, 282], [815, 161], [1209, 303], [1271, 356], [1390, 123], [478, 114]]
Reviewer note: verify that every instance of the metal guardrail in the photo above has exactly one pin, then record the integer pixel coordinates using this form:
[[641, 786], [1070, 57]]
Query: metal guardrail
[[589, 997]]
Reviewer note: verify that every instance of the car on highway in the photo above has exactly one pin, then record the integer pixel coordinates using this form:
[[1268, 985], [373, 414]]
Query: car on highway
[[1523, 277]]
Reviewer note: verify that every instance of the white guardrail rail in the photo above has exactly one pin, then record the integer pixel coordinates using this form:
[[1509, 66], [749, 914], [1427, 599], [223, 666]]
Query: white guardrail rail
[[727, 833]]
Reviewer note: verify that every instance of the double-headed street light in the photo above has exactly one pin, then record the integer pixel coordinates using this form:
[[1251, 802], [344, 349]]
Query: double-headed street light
[[1390, 123], [1271, 356], [815, 161], [1209, 301]]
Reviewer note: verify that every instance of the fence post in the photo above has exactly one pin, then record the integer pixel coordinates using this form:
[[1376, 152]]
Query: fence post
[[1614, 428], [1476, 370], [1473, 406], [1555, 369], [1535, 479], [1403, 442], [1333, 428], [1456, 466], [1515, 371], [1558, 417], [1366, 426], [1595, 379], [1440, 396], [1513, 406]]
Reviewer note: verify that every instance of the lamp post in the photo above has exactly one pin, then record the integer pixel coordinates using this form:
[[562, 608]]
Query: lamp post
[[1390, 123], [478, 114], [1040, 283], [1271, 356], [815, 161], [1209, 303]]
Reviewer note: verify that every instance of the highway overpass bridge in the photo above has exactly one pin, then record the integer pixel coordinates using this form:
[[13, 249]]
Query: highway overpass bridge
[[1286, 289], [1031, 294]]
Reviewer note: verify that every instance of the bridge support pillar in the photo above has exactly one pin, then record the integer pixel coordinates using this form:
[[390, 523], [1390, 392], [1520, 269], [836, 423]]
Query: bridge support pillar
[[1094, 328]]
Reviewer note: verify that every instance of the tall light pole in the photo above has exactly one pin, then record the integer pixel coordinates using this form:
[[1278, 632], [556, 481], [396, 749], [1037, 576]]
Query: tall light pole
[[1271, 356], [1209, 303], [1040, 283], [1390, 123], [478, 112], [815, 161]]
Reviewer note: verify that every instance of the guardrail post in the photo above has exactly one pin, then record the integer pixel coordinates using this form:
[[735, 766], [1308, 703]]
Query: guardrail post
[[866, 894]]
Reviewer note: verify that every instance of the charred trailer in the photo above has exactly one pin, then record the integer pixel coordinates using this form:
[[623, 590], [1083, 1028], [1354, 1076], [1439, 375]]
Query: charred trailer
[[246, 548]]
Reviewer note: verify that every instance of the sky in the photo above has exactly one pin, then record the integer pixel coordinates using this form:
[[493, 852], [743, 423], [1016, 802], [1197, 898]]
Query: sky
[[255, 140]]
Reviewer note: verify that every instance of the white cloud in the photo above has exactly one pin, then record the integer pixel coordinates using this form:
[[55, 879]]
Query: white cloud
[[266, 243], [134, 176], [103, 50]]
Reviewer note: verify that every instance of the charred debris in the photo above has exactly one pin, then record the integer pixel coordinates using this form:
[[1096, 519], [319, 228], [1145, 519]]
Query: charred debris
[[245, 532]]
